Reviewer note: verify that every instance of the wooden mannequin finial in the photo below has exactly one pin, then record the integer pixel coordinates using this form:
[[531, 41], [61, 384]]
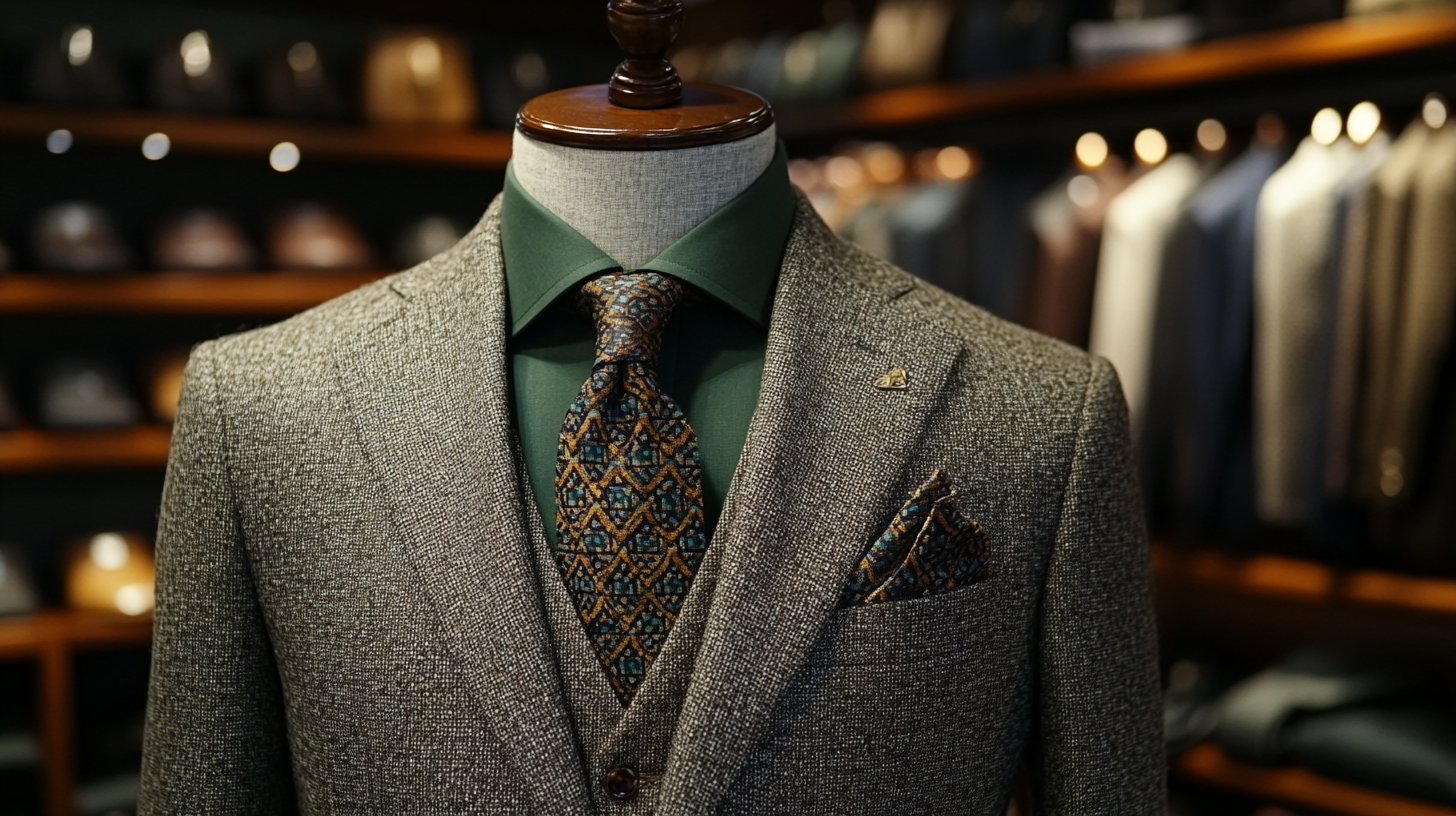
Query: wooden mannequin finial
[[645, 29], [645, 106]]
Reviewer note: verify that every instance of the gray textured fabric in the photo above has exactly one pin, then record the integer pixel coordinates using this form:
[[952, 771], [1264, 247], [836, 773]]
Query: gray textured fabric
[[350, 611]]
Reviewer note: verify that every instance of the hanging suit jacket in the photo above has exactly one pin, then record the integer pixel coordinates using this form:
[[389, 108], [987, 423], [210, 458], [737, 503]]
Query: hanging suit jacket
[[354, 615]]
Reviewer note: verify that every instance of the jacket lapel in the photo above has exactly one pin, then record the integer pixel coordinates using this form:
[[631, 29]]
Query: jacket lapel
[[429, 388], [829, 458]]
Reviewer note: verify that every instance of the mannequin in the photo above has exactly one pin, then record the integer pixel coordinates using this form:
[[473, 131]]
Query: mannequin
[[656, 196]]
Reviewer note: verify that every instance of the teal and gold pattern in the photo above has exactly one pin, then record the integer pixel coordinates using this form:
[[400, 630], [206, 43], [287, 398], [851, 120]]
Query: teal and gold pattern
[[629, 490], [928, 549]]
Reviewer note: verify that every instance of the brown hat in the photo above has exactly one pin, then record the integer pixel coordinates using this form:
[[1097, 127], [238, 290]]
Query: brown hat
[[419, 77], [312, 236], [79, 237], [111, 572], [294, 81], [202, 239]]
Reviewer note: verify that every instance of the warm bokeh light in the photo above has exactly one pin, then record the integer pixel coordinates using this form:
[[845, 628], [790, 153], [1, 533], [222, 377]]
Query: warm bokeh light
[[1326, 127], [1091, 150], [196, 53], [1212, 136], [59, 141], [843, 172], [1434, 111], [1362, 123], [805, 174], [302, 57], [284, 157], [426, 61], [1082, 190], [954, 162], [1150, 146], [885, 164], [108, 551], [79, 44], [156, 146]]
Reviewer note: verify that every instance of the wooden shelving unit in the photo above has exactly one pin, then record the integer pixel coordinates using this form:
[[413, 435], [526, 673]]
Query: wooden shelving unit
[[256, 137], [187, 293], [51, 638], [1297, 787], [1313, 47], [29, 450]]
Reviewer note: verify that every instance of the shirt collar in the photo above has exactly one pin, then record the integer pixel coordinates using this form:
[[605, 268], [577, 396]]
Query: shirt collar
[[733, 256]]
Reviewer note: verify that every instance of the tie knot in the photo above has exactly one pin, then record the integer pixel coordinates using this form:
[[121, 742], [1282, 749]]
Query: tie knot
[[630, 311]]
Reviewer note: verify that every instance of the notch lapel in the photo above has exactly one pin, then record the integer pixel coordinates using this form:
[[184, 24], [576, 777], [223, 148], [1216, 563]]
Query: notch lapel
[[827, 454], [429, 390]]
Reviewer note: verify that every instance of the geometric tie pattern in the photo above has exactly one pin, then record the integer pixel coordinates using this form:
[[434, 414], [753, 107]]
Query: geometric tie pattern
[[629, 488], [928, 549]]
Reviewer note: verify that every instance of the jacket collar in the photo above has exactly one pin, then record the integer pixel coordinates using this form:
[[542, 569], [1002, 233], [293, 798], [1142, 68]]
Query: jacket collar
[[427, 380]]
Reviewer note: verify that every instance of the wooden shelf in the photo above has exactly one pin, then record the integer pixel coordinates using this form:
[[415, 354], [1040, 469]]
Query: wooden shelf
[[28, 450], [247, 293], [1297, 787], [1322, 45], [255, 137], [1307, 582], [31, 635]]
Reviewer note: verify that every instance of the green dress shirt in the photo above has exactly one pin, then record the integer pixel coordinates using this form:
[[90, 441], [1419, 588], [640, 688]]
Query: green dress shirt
[[713, 346]]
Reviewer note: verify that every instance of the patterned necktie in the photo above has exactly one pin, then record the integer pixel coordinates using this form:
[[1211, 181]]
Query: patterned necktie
[[629, 490]]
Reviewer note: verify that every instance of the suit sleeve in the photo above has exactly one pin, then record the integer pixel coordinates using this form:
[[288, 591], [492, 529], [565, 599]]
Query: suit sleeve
[[215, 740], [1099, 716]]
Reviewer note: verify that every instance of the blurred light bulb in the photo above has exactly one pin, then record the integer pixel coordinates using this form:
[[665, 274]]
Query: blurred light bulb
[[302, 57], [108, 551], [805, 174], [1150, 146], [1082, 190], [1325, 128], [1362, 123], [79, 45], [135, 599], [1434, 111], [954, 162], [196, 53], [843, 172], [425, 60], [59, 141], [1091, 150], [1211, 135], [284, 156], [156, 146], [885, 164]]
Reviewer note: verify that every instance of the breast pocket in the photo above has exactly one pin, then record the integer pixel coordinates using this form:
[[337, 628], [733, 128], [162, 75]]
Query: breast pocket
[[920, 629]]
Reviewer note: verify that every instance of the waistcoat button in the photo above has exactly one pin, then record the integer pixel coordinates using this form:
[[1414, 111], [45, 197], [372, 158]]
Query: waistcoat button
[[621, 783]]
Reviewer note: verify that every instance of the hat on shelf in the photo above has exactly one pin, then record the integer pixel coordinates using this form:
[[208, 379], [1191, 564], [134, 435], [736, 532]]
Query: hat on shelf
[[79, 392], [193, 75], [79, 237], [165, 387], [202, 239], [295, 81], [508, 82], [424, 239], [17, 591], [313, 236], [111, 572], [419, 77], [74, 67]]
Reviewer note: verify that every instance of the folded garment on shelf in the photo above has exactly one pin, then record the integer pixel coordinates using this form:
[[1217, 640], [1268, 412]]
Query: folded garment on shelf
[[194, 75], [1256, 715], [85, 393], [1191, 701], [17, 591], [76, 68], [1096, 42], [1409, 750], [426, 238], [296, 81], [202, 239], [419, 77], [79, 237], [315, 237], [111, 572]]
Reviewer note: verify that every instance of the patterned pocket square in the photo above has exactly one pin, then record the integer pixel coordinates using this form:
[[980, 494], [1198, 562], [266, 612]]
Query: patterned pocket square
[[928, 549]]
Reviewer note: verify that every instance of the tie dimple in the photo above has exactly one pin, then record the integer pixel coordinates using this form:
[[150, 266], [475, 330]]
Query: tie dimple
[[629, 494]]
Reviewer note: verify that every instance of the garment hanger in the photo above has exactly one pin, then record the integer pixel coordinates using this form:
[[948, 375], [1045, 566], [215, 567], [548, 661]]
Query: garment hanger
[[645, 105]]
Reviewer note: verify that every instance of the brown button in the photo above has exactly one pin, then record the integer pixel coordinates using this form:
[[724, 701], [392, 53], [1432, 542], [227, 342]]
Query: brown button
[[621, 783]]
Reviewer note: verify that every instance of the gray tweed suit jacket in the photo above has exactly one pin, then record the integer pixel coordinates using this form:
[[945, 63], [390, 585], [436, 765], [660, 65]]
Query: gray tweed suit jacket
[[351, 619]]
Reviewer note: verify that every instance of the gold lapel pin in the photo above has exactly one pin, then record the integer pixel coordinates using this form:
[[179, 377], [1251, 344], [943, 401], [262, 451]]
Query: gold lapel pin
[[893, 380]]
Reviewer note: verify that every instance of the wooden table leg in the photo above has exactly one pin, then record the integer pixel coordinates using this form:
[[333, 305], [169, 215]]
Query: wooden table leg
[[58, 760]]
